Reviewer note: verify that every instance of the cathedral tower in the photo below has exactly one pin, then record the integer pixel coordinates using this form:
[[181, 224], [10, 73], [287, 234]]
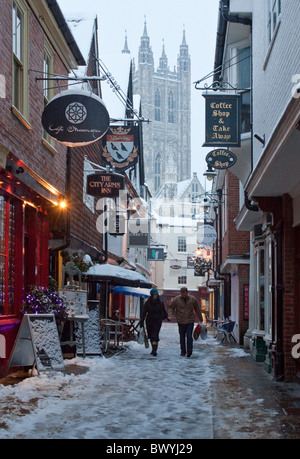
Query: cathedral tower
[[166, 101]]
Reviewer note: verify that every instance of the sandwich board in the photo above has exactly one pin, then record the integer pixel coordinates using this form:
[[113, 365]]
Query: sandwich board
[[37, 344]]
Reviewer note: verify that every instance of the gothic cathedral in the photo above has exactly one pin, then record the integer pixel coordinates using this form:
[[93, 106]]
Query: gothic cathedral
[[166, 101]]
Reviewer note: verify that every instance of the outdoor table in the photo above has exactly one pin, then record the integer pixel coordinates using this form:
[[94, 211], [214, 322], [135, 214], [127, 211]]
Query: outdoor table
[[132, 326], [71, 342]]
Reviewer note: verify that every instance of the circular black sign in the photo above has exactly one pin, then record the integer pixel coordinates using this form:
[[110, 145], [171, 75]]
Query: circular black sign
[[221, 158], [75, 118]]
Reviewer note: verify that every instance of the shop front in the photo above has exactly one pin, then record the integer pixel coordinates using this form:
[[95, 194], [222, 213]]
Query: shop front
[[24, 253]]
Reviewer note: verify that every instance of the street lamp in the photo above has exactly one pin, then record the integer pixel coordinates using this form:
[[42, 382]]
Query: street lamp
[[210, 173]]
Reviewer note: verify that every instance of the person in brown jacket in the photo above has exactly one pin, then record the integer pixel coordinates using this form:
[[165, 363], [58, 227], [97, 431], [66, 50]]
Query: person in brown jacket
[[184, 306]]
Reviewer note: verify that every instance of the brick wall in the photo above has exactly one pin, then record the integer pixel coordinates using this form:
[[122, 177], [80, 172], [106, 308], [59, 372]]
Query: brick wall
[[289, 283], [26, 144], [234, 242]]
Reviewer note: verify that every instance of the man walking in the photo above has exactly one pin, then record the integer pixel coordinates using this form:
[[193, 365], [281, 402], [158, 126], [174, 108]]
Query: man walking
[[184, 306]]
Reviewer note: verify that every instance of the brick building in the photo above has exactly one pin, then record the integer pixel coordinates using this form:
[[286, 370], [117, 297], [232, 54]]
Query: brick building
[[37, 173]]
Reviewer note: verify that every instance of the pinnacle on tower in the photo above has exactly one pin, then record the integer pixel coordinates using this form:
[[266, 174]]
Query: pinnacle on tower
[[125, 49]]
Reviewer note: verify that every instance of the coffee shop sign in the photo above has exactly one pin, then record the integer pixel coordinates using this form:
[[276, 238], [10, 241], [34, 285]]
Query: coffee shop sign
[[221, 159]]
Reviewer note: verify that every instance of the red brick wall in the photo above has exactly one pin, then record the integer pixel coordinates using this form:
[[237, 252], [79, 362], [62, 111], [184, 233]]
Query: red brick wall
[[234, 242], [289, 282], [83, 221]]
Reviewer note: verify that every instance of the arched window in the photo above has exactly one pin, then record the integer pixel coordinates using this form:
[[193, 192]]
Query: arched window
[[171, 108], [157, 172], [157, 105]]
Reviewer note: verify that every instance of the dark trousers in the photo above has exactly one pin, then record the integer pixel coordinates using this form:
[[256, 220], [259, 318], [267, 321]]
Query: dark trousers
[[186, 337]]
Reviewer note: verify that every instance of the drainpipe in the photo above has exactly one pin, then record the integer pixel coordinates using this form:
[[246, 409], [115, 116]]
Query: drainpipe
[[248, 203], [232, 17]]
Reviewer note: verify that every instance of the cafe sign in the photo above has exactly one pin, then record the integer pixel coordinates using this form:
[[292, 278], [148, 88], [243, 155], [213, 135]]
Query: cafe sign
[[221, 159], [105, 185], [75, 118], [223, 120]]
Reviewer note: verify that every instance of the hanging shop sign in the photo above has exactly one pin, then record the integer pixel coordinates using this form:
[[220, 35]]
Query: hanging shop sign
[[138, 232], [223, 120], [221, 159], [206, 235], [76, 118], [105, 185], [121, 147], [155, 254]]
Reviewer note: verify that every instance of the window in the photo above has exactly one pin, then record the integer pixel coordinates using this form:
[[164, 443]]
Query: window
[[274, 13], [244, 82], [157, 172], [182, 280], [171, 108], [181, 244], [7, 255], [20, 67], [157, 105]]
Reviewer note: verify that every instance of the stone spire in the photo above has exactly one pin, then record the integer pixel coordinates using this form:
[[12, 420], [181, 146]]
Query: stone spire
[[145, 50], [125, 49], [163, 61]]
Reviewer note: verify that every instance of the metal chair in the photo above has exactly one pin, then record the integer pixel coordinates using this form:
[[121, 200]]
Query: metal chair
[[111, 329], [227, 331]]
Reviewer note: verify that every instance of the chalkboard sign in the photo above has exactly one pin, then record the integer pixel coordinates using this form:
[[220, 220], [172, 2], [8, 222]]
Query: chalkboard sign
[[37, 344], [76, 301]]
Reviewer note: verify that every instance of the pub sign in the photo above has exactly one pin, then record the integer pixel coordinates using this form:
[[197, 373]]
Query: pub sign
[[105, 185], [121, 147], [222, 120]]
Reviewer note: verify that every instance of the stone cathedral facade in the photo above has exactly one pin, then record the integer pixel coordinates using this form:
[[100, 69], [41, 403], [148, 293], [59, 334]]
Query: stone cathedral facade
[[166, 101]]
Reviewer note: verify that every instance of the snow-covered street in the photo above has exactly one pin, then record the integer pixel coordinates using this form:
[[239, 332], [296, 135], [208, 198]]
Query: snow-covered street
[[134, 395]]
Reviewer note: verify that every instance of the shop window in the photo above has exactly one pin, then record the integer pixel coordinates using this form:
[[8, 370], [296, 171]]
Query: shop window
[[8, 275]]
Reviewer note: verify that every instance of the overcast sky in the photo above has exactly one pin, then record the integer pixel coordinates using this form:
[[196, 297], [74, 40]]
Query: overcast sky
[[166, 20]]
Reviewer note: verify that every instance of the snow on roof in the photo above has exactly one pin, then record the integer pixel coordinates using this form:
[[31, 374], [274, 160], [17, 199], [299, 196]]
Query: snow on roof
[[182, 186]]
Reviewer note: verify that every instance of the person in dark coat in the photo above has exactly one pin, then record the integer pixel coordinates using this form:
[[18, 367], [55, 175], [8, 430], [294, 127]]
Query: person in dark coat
[[154, 312]]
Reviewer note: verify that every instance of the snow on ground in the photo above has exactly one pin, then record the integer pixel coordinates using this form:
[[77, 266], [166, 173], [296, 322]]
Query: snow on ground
[[132, 395]]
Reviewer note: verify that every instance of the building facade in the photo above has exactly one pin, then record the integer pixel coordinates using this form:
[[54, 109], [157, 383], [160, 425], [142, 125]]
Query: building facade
[[166, 101], [267, 168]]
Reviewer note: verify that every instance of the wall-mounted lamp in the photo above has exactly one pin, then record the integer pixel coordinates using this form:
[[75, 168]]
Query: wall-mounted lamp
[[210, 173], [62, 204], [260, 139]]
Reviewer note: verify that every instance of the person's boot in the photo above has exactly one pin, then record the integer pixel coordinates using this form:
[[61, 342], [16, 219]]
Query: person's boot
[[154, 349]]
